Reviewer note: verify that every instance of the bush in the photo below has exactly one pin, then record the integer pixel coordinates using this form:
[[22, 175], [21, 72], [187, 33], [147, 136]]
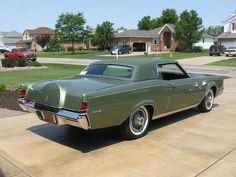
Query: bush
[[198, 49], [9, 62], [20, 62], [69, 49], [33, 63], [2, 87]]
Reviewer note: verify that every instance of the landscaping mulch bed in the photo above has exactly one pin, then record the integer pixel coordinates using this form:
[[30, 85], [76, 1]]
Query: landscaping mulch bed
[[8, 100], [22, 68]]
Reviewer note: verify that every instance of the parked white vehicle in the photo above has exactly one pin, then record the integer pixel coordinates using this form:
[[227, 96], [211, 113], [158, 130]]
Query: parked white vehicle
[[230, 51]]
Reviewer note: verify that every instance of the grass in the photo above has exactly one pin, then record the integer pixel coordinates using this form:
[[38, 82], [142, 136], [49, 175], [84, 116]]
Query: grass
[[175, 55], [77, 54], [230, 62], [96, 53], [12, 79]]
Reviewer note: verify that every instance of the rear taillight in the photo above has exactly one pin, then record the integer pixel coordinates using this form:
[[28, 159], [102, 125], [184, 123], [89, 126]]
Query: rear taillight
[[84, 106], [22, 93]]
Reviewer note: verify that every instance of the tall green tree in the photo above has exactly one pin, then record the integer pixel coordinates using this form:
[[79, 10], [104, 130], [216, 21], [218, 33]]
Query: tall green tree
[[103, 35], [169, 16], [70, 27], [214, 30], [145, 23], [188, 29]]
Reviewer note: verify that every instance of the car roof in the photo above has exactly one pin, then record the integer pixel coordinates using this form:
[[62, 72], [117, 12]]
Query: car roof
[[135, 62]]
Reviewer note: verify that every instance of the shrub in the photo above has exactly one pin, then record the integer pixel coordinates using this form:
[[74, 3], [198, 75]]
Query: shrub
[[33, 63], [198, 49], [69, 49], [2, 87], [21, 62], [9, 62]]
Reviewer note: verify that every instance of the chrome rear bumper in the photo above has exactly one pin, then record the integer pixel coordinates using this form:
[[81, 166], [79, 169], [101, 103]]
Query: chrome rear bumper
[[61, 117]]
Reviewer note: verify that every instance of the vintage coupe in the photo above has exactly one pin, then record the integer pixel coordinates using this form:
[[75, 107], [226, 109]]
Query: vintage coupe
[[126, 92]]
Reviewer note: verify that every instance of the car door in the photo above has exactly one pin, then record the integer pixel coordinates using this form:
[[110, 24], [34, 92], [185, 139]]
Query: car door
[[185, 91]]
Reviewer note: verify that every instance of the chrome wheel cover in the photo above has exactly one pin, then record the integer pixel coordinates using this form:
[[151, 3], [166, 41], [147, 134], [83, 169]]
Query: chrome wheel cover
[[209, 99], [138, 121]]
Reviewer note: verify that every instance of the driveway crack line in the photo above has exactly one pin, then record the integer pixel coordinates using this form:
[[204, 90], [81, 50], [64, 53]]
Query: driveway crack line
[[201, 172]]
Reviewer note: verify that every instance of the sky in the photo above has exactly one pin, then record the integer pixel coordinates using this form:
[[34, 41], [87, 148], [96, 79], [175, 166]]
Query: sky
[[24, 14]]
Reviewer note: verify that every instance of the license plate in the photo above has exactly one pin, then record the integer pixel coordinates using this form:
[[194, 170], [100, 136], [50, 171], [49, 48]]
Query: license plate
[[48, 117]]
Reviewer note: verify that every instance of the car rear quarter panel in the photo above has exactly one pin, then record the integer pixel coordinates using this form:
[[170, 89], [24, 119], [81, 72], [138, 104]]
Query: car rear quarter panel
[[113, 106]]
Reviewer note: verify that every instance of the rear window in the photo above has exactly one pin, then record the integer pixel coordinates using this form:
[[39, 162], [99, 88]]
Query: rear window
[[109, 70]]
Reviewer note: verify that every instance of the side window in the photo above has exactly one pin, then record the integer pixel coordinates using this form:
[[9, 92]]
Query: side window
[[171, 72]]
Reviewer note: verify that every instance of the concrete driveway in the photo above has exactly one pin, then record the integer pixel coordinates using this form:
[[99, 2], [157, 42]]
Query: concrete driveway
[[182, 145]]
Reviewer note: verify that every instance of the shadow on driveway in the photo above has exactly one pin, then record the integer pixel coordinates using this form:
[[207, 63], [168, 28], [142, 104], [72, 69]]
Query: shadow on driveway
[[86, 141]]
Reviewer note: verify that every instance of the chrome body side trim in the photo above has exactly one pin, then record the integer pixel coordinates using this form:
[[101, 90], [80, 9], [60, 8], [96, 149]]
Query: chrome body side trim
[[61, 117], [175, 111]]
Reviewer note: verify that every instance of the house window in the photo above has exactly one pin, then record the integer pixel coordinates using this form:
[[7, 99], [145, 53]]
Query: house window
[[156, 41], [233, 26], [203, 40]]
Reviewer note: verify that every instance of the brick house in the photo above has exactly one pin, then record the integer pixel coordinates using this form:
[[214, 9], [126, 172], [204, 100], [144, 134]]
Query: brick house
[[158, 39], [28, 38]]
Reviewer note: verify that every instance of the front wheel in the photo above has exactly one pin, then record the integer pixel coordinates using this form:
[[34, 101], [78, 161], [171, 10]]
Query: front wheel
[[207, 103], [137, 125]]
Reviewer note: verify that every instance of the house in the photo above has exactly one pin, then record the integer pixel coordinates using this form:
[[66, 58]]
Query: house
[[206, 41], [228, 37], [8, 40], [158, 39], [29, 36]]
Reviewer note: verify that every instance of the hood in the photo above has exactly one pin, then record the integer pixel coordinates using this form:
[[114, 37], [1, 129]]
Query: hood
[[67, 93]]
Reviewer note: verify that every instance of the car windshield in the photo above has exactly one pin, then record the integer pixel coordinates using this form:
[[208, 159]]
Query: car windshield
[[232, 48], [108, 70], [19, 50]]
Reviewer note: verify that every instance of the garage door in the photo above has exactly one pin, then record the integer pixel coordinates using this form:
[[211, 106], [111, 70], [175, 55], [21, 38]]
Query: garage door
[[139, 47]]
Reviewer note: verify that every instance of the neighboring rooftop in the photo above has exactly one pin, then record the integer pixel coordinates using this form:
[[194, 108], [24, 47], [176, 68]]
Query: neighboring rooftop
[[143, 33], [41, 30], [227, 35], [231, 17], [11, 34], [205, 35]]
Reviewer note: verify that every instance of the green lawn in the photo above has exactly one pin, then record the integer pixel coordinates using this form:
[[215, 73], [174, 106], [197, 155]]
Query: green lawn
[[175, 55], [230, 62], [12, 79], [77, 54]]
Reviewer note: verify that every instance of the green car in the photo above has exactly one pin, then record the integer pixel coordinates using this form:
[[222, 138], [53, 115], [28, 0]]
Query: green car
[[129, 93]]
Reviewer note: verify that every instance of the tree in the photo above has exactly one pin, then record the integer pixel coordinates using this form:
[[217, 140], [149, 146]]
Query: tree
[[156, 23], [42, 39], [188, 29], [70, 27], [54, 45], [103, 35], [214, 30], [169, 16], [145, 23]]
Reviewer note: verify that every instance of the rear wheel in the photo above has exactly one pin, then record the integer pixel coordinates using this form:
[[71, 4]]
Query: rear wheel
[[210, 54], [207, 103], [137, 125]]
